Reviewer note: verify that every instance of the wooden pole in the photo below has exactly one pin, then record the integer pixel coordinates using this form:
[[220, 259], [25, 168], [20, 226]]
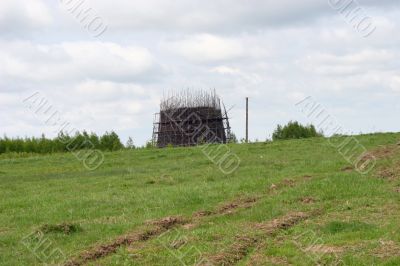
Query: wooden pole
[[247, 119]]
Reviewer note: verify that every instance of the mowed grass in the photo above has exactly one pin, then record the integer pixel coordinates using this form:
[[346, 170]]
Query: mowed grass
[[77, 209]]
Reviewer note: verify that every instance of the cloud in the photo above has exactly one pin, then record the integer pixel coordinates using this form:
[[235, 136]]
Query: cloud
[[103, 91], [348, 64], [207, 48], [395, 83], [216, 16], [72, 61], [226, 70], [20, 15]]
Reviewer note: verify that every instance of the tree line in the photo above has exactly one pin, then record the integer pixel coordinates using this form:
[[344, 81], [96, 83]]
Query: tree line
[[109, 141]]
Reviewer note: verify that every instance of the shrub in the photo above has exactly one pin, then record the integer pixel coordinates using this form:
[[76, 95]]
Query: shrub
[[294, 130]]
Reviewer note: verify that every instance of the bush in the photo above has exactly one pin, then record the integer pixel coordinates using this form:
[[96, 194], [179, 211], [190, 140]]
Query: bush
[[294, 130]]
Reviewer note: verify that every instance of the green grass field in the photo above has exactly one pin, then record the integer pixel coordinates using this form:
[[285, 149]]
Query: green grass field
[[53, 210]]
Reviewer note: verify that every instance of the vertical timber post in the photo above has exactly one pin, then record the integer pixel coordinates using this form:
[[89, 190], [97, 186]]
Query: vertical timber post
[[247, 119]]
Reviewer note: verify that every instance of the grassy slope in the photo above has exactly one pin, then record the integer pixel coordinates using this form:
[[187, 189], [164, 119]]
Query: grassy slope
[[361, 213]]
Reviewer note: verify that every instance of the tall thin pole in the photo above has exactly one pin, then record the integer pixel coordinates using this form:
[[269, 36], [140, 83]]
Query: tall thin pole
[[247, 119]]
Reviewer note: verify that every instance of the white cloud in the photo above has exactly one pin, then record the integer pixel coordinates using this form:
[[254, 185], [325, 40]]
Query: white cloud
[[73, 61], [215, 16], [16, 15], [207, 48], [395, 83], [110, 60], [348, 64], [95, 91], [226, 70]]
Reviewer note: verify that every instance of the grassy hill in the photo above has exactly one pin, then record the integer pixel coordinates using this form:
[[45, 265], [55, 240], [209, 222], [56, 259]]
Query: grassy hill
[[290, 202]]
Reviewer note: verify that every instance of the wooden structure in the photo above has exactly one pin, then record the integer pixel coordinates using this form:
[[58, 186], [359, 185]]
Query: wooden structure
[[191, 118]]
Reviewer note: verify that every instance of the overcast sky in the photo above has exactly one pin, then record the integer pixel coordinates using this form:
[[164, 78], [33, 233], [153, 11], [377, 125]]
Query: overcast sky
[[111, 74]]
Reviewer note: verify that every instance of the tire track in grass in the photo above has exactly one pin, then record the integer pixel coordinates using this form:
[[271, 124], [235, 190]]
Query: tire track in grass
[[245, 243], [247, 202], [161, 226], [158, 227]]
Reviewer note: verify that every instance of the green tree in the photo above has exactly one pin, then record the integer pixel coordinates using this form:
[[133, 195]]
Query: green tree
[[294, 130], [94, 140], [110, 142]]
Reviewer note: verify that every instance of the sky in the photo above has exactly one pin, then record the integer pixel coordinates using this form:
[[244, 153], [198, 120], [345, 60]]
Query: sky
[[105, 65]]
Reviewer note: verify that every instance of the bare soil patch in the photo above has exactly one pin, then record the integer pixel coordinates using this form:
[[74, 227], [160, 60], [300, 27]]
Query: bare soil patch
[[167, 222], [381, 152], [189, 226], [273, 187], [384, 152], [242, 203], [288, 182], [228, 208], [387, 249], [307, 200], [347, 169], [388, 173], [235, 253], [202, 213], [282, 223], [324, 249]]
